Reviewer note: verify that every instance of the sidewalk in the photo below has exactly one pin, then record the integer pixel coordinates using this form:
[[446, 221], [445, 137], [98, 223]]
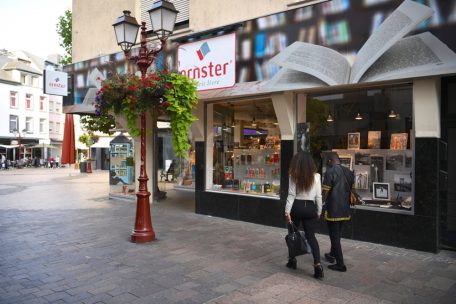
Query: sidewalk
[[62, 241]]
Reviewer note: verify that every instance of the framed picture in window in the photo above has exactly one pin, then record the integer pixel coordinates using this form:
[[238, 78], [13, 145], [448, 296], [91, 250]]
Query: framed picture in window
[[353, 141], [398, 141], [373, 139], [381, 191], [346, 160]]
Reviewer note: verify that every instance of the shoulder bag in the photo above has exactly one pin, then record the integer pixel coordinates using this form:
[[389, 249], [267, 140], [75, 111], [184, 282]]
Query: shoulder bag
[[296, 242]]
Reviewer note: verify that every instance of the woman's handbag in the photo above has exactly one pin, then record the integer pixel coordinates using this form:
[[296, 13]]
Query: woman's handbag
[[296, 242]]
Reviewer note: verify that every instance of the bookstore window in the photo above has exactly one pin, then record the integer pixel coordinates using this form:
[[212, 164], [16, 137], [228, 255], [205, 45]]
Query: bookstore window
[[371, 130], [246, 154]]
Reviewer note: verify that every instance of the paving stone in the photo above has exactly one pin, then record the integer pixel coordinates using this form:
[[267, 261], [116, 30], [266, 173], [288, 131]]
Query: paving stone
[[77, 250]]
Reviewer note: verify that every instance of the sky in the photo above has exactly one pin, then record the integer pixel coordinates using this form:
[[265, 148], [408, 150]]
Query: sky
[[30, 25]]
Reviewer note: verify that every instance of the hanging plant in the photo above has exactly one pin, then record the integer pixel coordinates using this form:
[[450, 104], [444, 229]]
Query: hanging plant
[[129, 95]]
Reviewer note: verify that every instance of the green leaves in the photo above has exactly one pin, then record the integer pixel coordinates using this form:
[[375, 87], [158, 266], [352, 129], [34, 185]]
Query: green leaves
[[170, 92], [182, 98], [64, 28]]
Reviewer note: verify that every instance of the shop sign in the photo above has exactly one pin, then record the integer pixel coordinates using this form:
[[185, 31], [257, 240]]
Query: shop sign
[[212, 62], [55, 83]]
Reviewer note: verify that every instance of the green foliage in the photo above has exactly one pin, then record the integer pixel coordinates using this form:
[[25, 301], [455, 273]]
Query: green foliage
[[181, 98], [130, 95], [88, 139], [102, 123], [168, 92], [64, 28]]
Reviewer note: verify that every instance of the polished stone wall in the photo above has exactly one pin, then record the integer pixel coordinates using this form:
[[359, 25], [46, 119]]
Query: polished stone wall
[[416, 231]]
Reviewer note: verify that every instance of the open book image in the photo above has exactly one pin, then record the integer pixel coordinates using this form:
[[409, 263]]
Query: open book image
[[386, 55]]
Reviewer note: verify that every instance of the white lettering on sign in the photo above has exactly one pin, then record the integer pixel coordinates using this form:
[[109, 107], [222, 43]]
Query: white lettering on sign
[[212, 61]]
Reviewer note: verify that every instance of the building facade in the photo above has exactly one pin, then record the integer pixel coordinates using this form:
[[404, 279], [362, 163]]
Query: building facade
[[391, 122], [32, 121]]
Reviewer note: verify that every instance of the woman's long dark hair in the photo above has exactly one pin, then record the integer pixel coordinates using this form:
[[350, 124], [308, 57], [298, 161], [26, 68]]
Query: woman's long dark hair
[[302, 171]]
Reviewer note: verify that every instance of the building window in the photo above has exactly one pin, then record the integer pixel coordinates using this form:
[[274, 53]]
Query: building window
[[35, 81], [28, 101], [23, 79], [246, 148], [13, 99], [57, 127], [29, 124], [42, 125], [51, 106], [57, 107], [371, 130], [14, 123], [42, 102]]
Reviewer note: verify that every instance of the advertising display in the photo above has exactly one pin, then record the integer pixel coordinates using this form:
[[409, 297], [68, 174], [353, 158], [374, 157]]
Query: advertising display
[[55, 83], [212, 62]]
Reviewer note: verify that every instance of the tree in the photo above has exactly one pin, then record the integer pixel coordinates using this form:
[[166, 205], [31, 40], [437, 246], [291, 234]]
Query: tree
[[64, 30]]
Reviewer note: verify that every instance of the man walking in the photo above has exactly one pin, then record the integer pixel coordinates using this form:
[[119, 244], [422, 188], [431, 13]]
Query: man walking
[[337, 184]]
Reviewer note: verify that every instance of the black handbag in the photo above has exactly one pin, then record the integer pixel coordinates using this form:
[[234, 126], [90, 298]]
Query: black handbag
[[296, 242]]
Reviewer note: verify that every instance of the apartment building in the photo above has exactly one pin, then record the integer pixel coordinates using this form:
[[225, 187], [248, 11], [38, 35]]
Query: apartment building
[[30, 121]]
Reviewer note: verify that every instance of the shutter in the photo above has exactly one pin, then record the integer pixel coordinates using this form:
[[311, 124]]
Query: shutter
[[180, 5]]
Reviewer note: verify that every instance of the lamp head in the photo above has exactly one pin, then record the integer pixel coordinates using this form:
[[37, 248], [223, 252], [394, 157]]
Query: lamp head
[[126, 28], [163, 17]]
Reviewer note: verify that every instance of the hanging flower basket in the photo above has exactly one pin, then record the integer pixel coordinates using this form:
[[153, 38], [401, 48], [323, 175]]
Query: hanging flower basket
[[130, 95]]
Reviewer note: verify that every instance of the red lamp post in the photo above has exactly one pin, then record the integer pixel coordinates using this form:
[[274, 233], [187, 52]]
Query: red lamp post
[[163, 17]]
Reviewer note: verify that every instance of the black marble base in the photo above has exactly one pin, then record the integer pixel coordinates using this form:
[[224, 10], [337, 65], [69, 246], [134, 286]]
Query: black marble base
[[415, 231]]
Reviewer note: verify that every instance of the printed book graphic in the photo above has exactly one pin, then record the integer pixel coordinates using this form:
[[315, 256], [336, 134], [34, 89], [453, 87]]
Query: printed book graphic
[[202, 52], [386, 55]]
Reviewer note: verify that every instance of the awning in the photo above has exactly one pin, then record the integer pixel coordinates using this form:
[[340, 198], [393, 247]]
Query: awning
[[39, 146], [103, 142], [9, 146]]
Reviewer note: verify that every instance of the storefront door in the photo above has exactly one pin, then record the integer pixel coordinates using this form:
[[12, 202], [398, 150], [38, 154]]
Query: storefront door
[[448, 166]]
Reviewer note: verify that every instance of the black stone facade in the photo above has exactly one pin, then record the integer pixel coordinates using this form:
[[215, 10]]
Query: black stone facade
[[418, 230]]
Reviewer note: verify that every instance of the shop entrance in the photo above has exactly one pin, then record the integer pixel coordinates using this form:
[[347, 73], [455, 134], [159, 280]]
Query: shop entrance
[[448, 166]]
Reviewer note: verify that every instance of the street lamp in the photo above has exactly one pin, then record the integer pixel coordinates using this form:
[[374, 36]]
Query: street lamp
[[163, 17], [17, 134]]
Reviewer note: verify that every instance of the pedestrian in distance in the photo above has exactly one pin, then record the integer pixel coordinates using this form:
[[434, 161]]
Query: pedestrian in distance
[[57, 161], [337, 184], [304, 204]]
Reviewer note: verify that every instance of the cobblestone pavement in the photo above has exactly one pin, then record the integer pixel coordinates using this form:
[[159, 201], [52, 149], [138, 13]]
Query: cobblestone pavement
[[63, 241]]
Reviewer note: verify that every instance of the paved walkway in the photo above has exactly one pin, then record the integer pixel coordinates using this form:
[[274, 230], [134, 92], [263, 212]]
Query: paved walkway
[[63, 241]]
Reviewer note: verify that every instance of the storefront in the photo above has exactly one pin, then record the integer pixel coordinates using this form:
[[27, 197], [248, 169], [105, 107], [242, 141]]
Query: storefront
[[384, 121]]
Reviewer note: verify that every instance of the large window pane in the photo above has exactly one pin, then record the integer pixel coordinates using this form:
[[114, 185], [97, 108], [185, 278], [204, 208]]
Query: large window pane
[[372, 132]]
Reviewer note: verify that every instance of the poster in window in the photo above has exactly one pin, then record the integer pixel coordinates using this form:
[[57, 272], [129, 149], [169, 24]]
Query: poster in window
[[394, 162], [398, 141], [303, 137], [403, 182], [381, 191], [373, 139], [353, 141], [377, 165], [346, 161], [361, 180]]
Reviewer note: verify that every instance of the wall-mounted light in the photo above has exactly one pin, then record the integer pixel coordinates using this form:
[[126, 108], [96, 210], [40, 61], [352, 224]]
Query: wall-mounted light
[[329, 118], [358, 116], [392, 114], [276, 123]]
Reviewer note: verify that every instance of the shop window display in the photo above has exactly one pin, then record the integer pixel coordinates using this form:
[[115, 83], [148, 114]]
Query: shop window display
[[371, 130], [246, 148]]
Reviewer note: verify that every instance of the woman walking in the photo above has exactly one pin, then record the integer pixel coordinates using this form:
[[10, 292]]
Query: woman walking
[[304, 204]]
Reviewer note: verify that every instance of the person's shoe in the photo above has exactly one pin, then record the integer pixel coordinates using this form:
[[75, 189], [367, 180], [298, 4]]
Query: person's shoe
[[330, 258], [341, 268], [292, 263], [318, 272]]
